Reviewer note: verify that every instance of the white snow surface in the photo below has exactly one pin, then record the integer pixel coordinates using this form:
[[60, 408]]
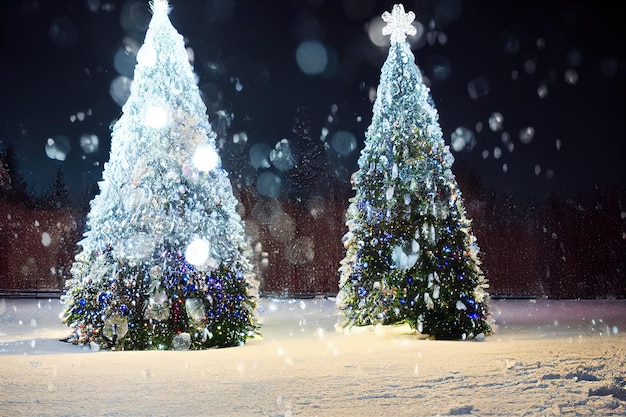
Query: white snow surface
[[546, 358]]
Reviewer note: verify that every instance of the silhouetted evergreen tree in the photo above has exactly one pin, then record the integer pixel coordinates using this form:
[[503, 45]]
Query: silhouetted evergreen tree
[[58, 194], [312, 174], [13, 188]]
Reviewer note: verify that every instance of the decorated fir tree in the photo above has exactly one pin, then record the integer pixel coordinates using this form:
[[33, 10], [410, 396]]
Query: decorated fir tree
[[163, 264], [410, 253]]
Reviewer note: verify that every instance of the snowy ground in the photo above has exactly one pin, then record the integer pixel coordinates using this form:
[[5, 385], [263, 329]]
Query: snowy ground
[[547, 358]]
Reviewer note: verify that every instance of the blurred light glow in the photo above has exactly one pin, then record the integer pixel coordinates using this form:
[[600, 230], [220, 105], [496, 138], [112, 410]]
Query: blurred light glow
[[282, 157], [312, 57], [124, 62], [205, 158], [46, 239], [343, 142], [478, 87], [526, 135], [63, 32], [135, 16], [120, 89], [89, 143], [530, 66], [462, 139], [260, 155], [496, 121], [571, 76], [542, 91], [439, 67], [58, 147], [269, 185], [241, 137]]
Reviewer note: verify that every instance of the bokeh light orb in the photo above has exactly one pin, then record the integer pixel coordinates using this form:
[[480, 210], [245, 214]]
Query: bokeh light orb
[[63, 32], [135, 16], [282, 157], [89, 143], [58, 147], [496, 121], [526, 135], [269, 184], [124, 62], [462, 139], [120, 89], [343, 142], [312, 57], [260, 155]]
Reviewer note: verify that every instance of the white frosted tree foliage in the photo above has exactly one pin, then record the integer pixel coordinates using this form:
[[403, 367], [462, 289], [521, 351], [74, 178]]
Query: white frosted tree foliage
[[163, 191]]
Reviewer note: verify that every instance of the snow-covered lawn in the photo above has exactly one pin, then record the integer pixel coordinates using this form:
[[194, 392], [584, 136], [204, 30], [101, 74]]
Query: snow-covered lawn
[[547, 358]]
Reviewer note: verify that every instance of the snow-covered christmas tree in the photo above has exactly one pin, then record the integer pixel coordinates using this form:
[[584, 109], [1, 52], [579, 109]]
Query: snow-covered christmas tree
[[410, 253], [164, 262]]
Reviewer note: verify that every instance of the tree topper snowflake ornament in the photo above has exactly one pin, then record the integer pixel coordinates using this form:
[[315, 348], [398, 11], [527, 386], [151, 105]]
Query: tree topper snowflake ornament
[[399, 24]]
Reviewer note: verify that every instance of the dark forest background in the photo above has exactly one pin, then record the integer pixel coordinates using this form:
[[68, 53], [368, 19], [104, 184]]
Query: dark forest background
[[554, 247]]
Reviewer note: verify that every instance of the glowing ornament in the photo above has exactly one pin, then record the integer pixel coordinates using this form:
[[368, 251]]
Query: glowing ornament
[[115, 327], [389, 193], [205, 158], [399, 24], [429, 301], [159, 307], [206, 334], [197, 252], [157, 311], [155, 117], [195, 309], [181, 341], [405, 257]]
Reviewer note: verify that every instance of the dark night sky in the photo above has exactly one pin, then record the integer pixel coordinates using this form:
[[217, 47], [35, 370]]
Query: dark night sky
[[57, 59]]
